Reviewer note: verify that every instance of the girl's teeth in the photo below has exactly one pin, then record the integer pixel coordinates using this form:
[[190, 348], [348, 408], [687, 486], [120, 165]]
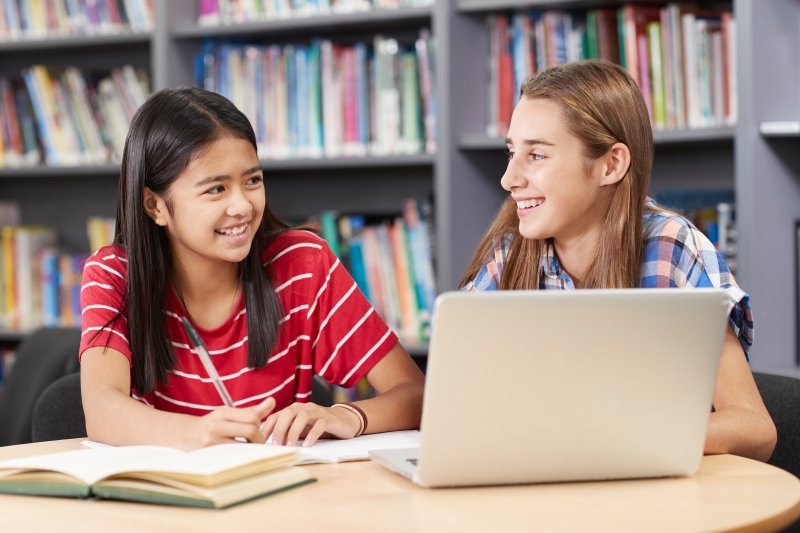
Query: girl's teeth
[[233, 231], [528, 203]]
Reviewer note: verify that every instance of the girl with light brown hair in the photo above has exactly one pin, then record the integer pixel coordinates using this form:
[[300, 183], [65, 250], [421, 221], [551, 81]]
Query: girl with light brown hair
[[580, 154]]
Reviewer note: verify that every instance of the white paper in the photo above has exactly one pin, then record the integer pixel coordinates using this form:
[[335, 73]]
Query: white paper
[[357, 449]]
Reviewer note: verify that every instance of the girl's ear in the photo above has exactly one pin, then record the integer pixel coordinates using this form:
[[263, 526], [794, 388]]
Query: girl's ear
[[615, 164], [155, 207]]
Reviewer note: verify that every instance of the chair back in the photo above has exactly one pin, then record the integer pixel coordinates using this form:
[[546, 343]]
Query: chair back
[[58, 414], [781, 395], [41, 358]]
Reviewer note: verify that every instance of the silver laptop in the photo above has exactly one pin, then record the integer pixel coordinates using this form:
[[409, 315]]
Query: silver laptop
[[543, 386]]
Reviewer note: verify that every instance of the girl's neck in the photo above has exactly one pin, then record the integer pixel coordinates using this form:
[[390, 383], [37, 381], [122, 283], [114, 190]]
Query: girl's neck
[[208, 298], [576, 255]]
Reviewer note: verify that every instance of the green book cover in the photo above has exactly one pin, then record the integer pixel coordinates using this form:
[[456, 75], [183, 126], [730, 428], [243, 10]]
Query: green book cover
[[623, 60], [330, 233], [593, 48], [657, 74]]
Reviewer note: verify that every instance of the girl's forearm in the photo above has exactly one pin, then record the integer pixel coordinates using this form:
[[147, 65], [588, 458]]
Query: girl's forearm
[[398, 408], [740, 431], [115, 418]]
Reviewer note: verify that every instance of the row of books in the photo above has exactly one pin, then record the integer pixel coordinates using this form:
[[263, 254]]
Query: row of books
[[216, 12], [327, 99], [683, 58], [713, 212], [391, 260], [67, 117], [40, 286], [38, 19]]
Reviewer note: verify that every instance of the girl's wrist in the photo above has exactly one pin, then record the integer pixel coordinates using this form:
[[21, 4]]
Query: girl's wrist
[[355, 414]]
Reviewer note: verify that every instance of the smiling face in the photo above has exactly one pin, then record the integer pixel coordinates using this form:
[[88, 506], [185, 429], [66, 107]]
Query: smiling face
[[558, 191], [213, 208]]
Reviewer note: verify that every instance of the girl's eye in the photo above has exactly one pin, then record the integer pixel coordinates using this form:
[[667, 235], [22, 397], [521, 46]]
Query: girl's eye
[[509, 154], [255, 180], [215, 190], [537, 157]]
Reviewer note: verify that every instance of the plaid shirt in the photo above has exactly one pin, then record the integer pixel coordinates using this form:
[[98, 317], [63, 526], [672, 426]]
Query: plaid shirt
[[676, 254]]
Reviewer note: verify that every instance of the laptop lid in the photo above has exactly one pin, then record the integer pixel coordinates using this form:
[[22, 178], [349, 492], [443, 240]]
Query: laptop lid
[[533, 386]]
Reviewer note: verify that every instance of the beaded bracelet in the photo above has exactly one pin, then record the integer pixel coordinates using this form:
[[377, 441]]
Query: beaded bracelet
[[356, 410]]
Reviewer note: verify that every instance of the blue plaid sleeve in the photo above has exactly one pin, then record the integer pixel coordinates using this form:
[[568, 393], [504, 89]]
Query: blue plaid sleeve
[[677, 254]]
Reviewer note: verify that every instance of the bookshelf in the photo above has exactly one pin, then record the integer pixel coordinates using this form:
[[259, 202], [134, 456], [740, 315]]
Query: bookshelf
[[463, 176], [768, 175]]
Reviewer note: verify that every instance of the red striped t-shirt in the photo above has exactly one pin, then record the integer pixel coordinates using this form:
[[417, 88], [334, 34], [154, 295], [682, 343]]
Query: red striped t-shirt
[[328, 328]]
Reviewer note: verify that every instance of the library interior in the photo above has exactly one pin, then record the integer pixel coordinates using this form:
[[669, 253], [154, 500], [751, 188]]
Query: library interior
[[380, 125]]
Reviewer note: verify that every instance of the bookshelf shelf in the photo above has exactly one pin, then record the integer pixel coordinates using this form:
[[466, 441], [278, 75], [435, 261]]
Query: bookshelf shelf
[[699, 136], [664, 137], [337, 22], [110, 170], [780, 128], [348, 162], [299, 164], [84, 41], [486, 6], [12, 335]]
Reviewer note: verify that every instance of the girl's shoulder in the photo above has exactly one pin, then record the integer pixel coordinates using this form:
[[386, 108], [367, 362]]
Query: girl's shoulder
[[113, 256], [664, 225], [293, 246]]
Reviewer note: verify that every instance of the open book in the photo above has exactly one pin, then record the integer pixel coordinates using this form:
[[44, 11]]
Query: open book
[[217, 476]]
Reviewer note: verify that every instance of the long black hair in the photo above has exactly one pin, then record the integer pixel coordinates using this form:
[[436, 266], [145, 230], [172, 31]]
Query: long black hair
[[167, 131]]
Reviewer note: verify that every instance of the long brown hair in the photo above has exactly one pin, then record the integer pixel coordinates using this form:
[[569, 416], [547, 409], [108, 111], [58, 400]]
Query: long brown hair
[[602, 106]]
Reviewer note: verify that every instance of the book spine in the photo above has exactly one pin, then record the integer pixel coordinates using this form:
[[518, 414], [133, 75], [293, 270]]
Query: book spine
[[659, 112]]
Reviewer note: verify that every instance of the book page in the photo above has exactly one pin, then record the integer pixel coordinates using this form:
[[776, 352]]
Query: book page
[[211, 460], [86, 465], [97, 463]]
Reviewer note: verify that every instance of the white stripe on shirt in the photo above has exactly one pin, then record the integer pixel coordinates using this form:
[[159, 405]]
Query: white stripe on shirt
[[332, 311], [210, 352], [370, 352], [100, 306], [265, 394], [101, 328], [288, 347], [104, 267], [196, 377], [345, 339], [293, 311], [322, 289], [290, 248], [292, 280], [97, 284], [140, 399]]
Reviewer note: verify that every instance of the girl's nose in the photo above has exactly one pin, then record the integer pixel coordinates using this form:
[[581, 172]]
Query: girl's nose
[[511, 177], [239, 205]]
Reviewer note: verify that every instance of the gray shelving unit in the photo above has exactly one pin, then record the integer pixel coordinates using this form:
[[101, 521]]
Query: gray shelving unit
[[768, 176], [464, 175]]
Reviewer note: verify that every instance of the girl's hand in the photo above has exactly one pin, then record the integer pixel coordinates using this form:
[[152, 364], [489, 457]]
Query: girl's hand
[[228, 423], [309, 421]]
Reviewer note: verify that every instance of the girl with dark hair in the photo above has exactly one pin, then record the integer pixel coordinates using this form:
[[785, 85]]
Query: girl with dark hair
[[578, 216], [195, 238]]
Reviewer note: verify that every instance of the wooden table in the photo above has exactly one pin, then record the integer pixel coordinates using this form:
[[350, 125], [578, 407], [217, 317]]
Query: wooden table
[[728, 494]]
